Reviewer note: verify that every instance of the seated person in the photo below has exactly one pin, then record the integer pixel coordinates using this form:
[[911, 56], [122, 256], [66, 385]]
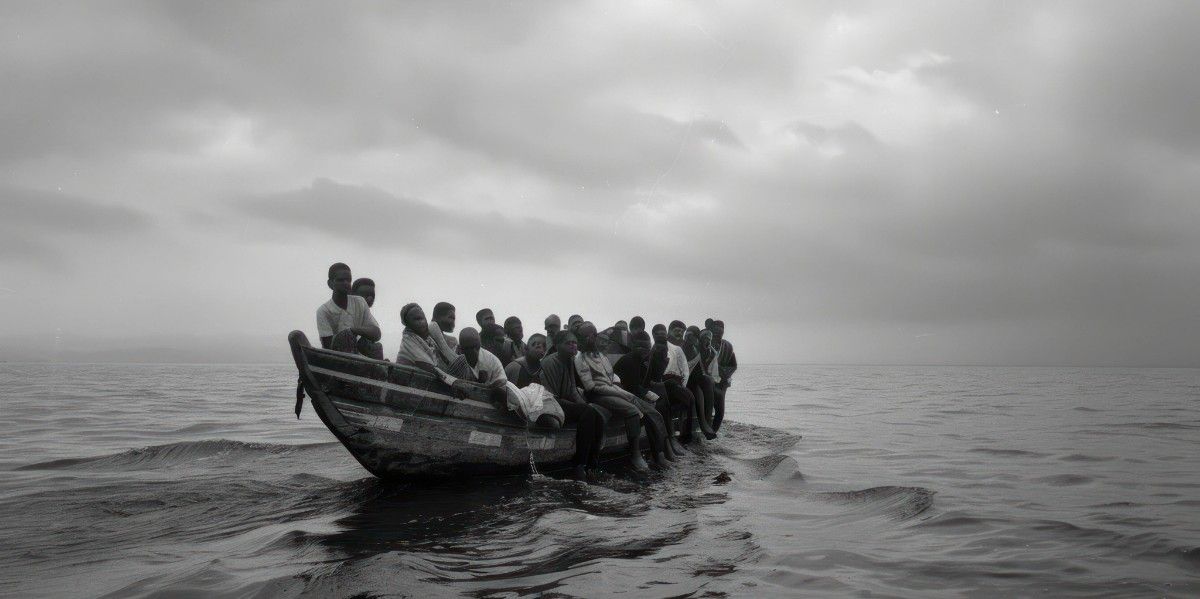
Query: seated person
[[365, 288], [494, 341], [637, 323], [633, 370], [485, 317], [516, 336], [562, 382], [475, 363], [347, 317], [726, 366], [481, 367], [671, 401], [708, 362], [674, 379], [553, 325], [679, 370], [699, 383], [443, 315], [422, 345], [573, 323], [596, 376], [528, 368]]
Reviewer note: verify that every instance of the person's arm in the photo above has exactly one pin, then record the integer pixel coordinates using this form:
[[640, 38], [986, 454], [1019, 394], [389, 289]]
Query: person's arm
[[324, 329], [441, 346], [512, 372], [585, 373], [552, 378], [369, 327], [726, 365]]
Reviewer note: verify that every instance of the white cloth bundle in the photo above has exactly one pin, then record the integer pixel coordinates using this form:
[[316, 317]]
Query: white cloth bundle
[[534, 401]]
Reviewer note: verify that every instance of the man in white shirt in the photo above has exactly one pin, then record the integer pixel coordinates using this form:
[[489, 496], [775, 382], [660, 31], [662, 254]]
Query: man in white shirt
[[346, 317], [677, 362], [477, 364], [675, 379]]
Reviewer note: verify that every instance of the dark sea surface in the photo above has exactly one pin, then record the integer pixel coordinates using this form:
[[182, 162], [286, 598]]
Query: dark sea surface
[[198, 481]]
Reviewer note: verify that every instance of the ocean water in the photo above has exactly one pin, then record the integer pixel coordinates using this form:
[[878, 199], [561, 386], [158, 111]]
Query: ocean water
[[198, 481]]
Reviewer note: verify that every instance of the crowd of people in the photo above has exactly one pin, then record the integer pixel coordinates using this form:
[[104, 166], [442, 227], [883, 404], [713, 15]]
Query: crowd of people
[[562, 377]]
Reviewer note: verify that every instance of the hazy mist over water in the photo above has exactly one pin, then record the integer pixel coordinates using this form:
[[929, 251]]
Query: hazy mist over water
[[123, 480]]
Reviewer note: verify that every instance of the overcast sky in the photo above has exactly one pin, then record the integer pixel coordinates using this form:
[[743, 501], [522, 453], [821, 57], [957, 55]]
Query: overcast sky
[[896, 182]]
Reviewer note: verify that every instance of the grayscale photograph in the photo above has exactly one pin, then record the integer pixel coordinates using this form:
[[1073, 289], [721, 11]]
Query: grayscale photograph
[[664, 299]]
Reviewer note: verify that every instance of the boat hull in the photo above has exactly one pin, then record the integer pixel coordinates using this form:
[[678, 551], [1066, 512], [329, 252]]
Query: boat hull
[[399, 421]]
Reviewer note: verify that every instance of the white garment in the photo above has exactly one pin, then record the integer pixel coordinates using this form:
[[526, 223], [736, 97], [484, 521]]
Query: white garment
[[332, 319], [677, 363], [533, 401], [487, 369]]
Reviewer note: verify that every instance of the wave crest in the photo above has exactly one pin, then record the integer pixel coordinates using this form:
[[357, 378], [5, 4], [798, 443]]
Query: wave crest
[[156, 456]]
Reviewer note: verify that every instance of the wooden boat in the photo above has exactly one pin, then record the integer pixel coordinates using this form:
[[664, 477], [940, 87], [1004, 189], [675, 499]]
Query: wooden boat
[[399, 420]]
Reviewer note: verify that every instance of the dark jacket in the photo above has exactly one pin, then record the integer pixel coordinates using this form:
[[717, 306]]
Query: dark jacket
[[634, 374], [561, 381]]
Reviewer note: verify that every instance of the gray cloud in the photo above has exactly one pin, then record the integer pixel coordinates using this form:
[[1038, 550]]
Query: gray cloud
[[46, 227], [376, 219], [1010, 181]]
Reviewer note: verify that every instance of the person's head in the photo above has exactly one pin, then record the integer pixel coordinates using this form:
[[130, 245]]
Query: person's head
[[708, 324], [468, 344], [675, 331], [621, 326], [641, 344], [659, 334], [413, 318], [553, 326], [718, 330], [514, 329], [637, 323], [339, 278], [566, 345], [573, 320], [706, 340], [536, 349], [364, 288], [485, 317], [691, 336], [492, 336], [586, 333], [444, 315]]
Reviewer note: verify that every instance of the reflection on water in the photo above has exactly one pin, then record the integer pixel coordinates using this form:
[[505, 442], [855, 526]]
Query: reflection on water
[[176, 480]]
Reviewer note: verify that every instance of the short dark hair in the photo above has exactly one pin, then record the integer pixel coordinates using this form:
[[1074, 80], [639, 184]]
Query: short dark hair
[[491, 332], [637, 322], [678, 324], [441, 309], [479, 314], [659, 327], [336, 267], [510, 321], [708, 323], [363, 282], [640, 336], [561, 336], [536, 336]]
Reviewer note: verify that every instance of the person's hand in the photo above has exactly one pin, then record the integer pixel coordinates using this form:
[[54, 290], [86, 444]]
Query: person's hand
[[461, 389]]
